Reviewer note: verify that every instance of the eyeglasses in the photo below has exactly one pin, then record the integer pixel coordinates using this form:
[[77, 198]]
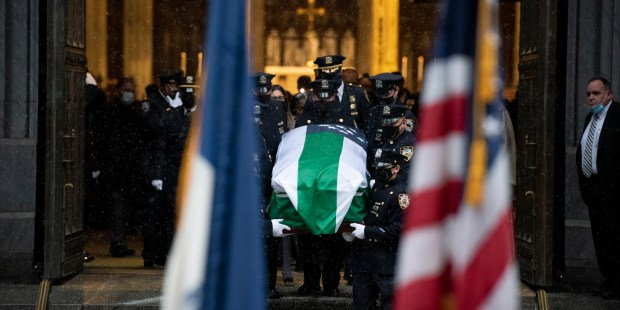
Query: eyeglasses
[[279, 98]]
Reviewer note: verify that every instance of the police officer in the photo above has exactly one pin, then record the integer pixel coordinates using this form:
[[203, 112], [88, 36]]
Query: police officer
[[321, 255], [169, 122], [385, 90], [269, 114], [393, 134], [321, 105], [375, 241], [351, 106], [270, 119]]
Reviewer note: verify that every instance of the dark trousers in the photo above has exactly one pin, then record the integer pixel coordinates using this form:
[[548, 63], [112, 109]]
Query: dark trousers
[[325, 250], [604, 213], [159, 217], [368, 287], [272, 245]]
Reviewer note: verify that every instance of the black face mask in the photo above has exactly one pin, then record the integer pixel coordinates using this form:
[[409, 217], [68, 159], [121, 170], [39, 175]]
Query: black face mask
[[263, 98], [173, 94], [383, 174], [390, 132]]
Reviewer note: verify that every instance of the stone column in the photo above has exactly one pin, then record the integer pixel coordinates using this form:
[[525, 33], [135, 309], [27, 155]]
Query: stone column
[[138, 43], [364, 38], [96, 40], [384, 23], [255, 32]]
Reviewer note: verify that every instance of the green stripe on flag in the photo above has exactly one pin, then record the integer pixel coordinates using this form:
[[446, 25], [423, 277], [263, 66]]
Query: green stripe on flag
[[318, 179]]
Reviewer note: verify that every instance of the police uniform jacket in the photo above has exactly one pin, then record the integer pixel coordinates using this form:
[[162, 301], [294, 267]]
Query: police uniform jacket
[[170, 128], [94, 109], [124, 134], [374, 121], [403, 144], [376, 253], [271, 120], [351, 110]]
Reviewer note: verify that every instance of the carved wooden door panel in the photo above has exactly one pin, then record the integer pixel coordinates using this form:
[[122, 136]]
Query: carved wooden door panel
[[64, 132]]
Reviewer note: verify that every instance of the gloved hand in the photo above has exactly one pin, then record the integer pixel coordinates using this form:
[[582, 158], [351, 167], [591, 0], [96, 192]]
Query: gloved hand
[[359, 230], [158, 184], [95, 174], [348, 237], [277, 228], [90, 80]]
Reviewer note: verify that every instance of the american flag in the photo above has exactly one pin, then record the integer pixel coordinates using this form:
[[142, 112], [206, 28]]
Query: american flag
[[457, 243]]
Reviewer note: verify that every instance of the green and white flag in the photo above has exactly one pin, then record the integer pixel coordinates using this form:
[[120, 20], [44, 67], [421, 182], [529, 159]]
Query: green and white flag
[[319, 178]]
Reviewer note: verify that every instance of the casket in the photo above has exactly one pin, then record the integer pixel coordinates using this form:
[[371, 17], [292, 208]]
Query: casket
[[320, 179]]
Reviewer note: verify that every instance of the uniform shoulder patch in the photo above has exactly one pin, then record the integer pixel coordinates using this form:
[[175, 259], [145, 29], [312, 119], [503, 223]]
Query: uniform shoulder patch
[[403, 201], [407, 151]]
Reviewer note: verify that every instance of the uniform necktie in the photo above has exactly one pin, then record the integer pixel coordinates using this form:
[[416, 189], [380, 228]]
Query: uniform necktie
[[587, 158]]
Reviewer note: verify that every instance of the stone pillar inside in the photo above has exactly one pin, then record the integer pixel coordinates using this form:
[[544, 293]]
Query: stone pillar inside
[[256, 34], [138, 43], [384, 32], [97, 40]]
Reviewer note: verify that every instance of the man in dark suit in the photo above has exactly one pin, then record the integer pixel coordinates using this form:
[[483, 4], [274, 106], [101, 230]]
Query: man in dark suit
[[599, 170]]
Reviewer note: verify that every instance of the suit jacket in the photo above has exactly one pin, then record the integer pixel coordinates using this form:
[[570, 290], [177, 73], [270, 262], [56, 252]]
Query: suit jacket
[[607, 182]]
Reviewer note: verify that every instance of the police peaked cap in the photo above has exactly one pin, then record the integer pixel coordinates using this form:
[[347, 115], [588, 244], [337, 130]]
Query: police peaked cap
[[384, 82], [262, 78], [386, 156], [329, 62], [262, 82], [172, 77], [324, 88], [188, 84], [391, 113]]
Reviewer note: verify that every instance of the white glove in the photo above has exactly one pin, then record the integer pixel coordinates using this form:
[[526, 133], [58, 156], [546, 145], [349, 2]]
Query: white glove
[[348, 237], [359, 230], [158, 184], [277, 228], [95, 174], [90, 80], [176, 101]]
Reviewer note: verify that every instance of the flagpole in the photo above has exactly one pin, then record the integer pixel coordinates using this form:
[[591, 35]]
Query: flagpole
[[485, 91]]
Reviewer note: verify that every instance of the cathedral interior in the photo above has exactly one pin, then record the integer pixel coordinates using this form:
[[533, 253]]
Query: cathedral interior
[[143, 38]]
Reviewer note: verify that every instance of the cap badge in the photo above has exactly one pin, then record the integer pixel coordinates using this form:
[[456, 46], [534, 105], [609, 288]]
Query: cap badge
[[379, 84], [190, 79], [386, 110], [262, 79], [378, 153], [324, 84], [328, 60]]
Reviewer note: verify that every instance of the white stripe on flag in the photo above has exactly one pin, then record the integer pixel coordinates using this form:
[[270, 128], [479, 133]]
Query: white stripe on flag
[[185, 268], [507, 285], [447, 77], [475, 223], [286, 168], [352, 161], [437, 161], [421, 254]]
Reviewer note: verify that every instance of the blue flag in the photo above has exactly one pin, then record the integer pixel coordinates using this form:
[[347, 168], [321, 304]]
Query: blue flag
[[217, 260]]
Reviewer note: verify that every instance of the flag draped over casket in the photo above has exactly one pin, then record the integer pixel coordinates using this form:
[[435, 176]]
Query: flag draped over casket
[[319, 178]]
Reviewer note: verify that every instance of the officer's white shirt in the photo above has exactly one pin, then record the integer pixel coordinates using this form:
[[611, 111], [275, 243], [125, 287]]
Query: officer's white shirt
[[597, 134], [340, 91]]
